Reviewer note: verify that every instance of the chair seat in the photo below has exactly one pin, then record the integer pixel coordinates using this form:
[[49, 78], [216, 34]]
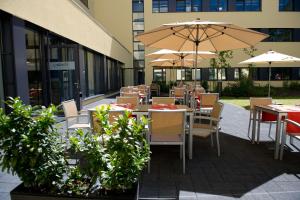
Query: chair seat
[[75, 126], [165, 138], [202, 130]]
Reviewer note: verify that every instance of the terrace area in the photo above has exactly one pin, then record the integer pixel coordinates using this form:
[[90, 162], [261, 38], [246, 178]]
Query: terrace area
[[243, 171]]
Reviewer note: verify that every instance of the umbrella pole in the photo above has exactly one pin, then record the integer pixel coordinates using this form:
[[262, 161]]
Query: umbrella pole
[[196, 59], [269, 91], [181, 57]]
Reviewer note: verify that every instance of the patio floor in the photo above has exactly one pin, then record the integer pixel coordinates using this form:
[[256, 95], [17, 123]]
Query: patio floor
[[244, 171]]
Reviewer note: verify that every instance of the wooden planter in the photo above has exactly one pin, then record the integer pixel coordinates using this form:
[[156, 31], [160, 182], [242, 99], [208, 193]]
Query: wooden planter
[[21, 193]]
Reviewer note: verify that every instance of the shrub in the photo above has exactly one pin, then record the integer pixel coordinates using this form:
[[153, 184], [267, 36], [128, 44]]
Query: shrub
[[114, 156], [294, 86], [30, 146]]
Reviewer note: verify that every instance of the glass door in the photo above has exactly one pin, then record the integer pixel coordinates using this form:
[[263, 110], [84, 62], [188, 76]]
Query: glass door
[[64, 81]]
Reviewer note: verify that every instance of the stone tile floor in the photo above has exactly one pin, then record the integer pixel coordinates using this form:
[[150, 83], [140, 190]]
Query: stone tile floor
[[244, 171]]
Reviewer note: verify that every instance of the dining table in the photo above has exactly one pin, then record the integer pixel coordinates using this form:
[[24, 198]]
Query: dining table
[[277, 113], [142, 110]]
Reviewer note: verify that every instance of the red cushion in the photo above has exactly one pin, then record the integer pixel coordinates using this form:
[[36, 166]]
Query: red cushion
[[290, 128]]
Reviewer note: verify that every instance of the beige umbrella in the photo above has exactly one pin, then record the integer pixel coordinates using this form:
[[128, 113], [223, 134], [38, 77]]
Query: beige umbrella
[[269, 58], [200, 36], [182, 55]]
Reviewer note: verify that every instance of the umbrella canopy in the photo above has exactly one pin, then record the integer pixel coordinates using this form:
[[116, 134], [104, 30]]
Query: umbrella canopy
[[200, 35], [208, 36], [269, 58], [172, 62], [170, 54]]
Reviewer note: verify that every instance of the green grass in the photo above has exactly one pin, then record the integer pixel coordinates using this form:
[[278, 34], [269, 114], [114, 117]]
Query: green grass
[[244, 102]]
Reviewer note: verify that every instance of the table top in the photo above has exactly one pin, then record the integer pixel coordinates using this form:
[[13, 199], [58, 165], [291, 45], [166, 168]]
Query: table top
[[279, 108], [139, 108]]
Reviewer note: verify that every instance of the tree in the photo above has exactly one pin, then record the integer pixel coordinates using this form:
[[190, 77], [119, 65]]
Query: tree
[[222, 61], [250, 52]]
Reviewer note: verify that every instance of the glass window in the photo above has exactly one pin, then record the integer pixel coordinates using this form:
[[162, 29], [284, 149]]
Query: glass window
[[137, 5], [198, 74], [138, 46], [280, 73], [280, 35], [218, 5], [180, 74], [247, 5], [289, 5], [163, 6], [138, 17], [236, 74], [245, 72], [159, 75], [139, 55], [180, 6], [90, 74], [217, 74], [139, 63], [33, 62], [155, 6], [160, 6], [196, 5], [135, 33]]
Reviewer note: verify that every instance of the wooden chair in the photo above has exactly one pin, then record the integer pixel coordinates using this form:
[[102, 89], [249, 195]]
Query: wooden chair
[[254, 101], [155, 88], [170, 133], [205, 130], [113, 115], [179, 94], [163, 100], [74, 118], [133, 100], [293, 131]]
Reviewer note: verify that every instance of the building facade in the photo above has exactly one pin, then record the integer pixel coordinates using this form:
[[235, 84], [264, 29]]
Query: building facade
[[278, 18], [55, 50]]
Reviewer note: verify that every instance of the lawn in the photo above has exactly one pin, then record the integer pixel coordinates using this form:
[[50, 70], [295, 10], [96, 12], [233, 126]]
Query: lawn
[[244, 102]]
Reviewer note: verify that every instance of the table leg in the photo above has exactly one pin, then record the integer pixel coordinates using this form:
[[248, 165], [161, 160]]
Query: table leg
[[254, 125], [277, 136], [259, 113], [191, 136]]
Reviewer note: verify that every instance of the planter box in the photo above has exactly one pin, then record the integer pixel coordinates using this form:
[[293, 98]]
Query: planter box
[[21, 193]]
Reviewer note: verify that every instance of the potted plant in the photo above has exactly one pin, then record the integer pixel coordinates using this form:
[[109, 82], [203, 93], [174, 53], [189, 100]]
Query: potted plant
[[30, 147], [113, 156], [111, 159]]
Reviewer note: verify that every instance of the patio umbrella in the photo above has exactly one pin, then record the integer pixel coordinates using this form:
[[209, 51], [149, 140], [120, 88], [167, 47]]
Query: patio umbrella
[[200, 36], [269, 58], [182, 55]]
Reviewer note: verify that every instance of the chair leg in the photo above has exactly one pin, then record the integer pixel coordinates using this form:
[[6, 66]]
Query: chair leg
[[183, 158], [181, 150], [211, 140], [149, 166], [249, 126], [218, 142], [258, 129]]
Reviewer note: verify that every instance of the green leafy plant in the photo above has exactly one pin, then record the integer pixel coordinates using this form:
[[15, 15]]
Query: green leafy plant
[[30, 145], [114, 156]]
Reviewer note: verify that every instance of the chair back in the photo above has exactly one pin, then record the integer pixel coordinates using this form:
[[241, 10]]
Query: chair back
[[70, 108], [179, 91], [199, 90], [133, 100], [163, 100], [217, 110], [113, 115], [125, 89], [208, 99], [162, 131], [261, 101], [130, 94]]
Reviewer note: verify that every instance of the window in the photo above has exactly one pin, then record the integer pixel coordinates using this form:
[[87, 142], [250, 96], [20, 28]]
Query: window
[[241, 72], [159, 75], [217, 74], [135, 33], [248, 5], [138, 55], [198, 74], [280, 73], [90, 74], [196, 5], [138, 46], [218, 5], [33, 62], [236, 74], [138, 21], [281, 34], [180, 6], [289, 5], [137, 5], [139, 63], [160, 6]]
